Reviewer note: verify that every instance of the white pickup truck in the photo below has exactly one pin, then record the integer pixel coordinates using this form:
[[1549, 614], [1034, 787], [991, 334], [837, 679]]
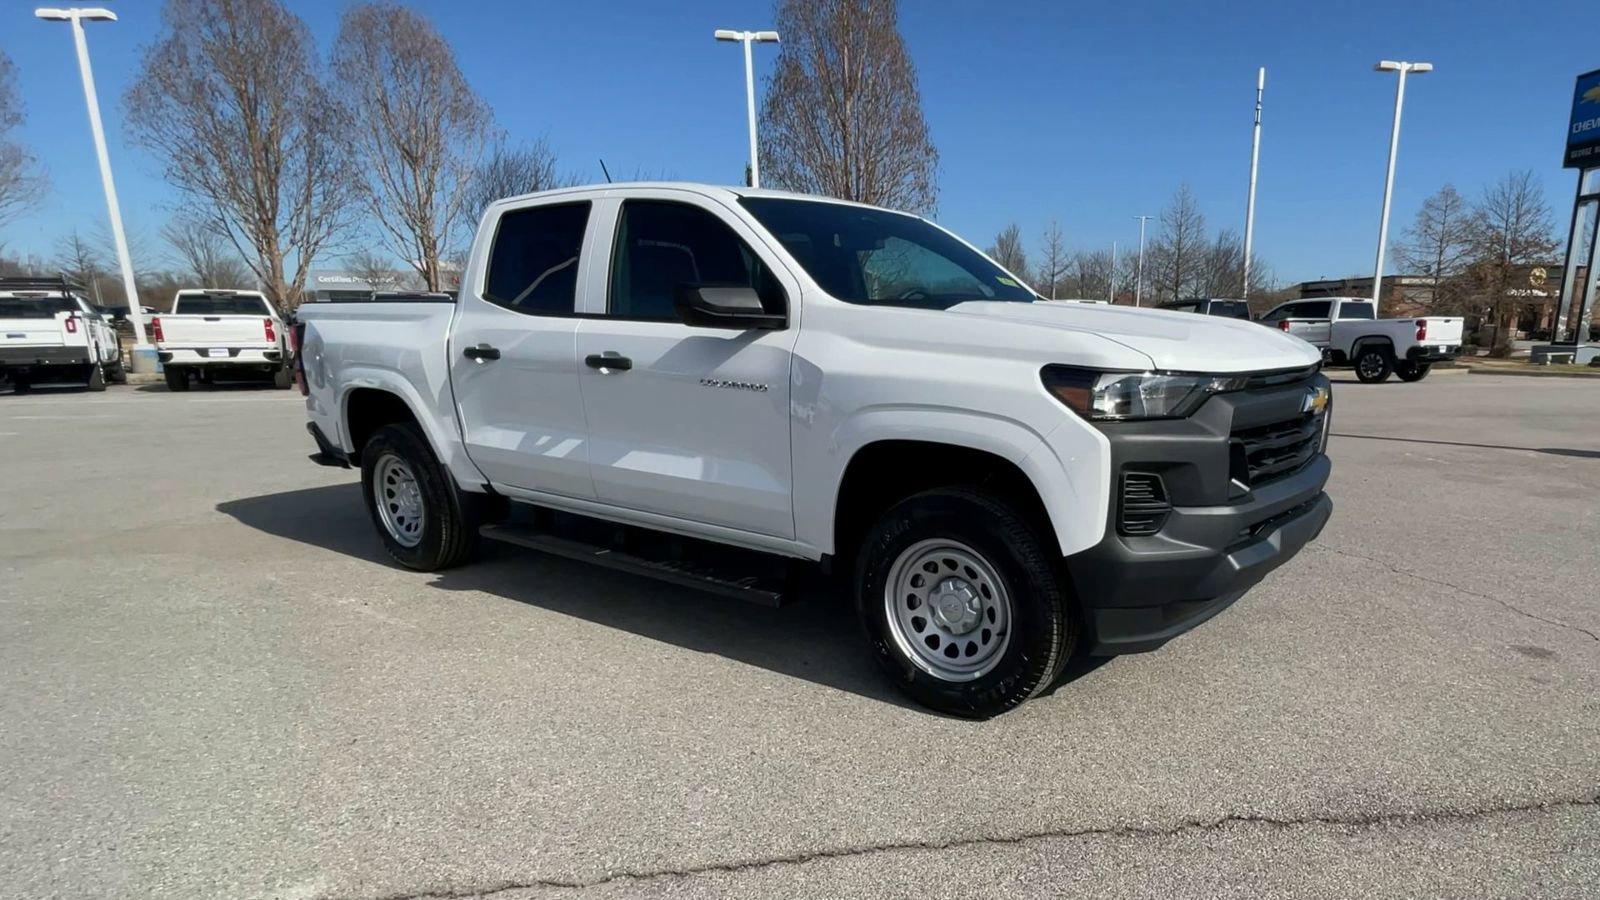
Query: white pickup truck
[[212, 332], [1348, 333], [711, 385], [48, 331]]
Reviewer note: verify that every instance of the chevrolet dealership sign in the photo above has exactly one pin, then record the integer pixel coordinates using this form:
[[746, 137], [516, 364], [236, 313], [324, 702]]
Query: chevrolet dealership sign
[[1583, 134]]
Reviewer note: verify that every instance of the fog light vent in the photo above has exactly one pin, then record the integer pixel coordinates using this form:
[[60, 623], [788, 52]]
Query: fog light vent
[[1144, 504]]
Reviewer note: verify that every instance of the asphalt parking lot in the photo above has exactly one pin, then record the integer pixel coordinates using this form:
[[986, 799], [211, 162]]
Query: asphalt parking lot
[[211, 684]]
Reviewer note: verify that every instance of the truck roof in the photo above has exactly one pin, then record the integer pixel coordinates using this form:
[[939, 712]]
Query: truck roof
[[729, 193]]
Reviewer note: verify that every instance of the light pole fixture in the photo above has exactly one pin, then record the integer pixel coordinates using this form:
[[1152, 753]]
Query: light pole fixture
[[1250, 202], [1404, 68], [747, 38], [143, 354], [1138, 279]]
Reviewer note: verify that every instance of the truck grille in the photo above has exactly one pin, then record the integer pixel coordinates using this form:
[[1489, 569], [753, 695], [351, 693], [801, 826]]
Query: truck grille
[[1269, 452]]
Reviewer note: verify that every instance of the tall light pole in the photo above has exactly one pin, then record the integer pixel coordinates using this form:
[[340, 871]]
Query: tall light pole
[[1138, 280], [143, 355], [1250, 204], [747, 38], [1404, 68]]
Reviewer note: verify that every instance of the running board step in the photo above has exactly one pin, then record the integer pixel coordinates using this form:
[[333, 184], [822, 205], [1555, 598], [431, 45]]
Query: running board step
[[738, 583]]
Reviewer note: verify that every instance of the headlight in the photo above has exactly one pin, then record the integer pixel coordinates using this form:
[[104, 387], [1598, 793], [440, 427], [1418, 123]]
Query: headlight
[[1114, 396]]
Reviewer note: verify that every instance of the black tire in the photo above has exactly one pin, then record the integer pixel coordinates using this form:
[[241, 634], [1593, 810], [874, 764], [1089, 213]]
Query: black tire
[[1373, 365], [177, 378], [1043, 629], [21, 384], [116, 373], [450, 517], [97, 378], [1412, 371]]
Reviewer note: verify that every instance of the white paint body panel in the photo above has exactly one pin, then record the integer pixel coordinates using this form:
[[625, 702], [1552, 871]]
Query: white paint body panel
[[759, 469]]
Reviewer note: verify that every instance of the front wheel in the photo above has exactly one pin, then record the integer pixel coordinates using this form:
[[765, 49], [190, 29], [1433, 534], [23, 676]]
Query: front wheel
[[117, 373], [425, 522], [177, 378], [1373, 365], [1412, 371], [963, 605]]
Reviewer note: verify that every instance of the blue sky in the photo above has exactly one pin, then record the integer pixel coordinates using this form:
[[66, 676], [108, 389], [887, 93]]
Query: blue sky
[[1090, 113]]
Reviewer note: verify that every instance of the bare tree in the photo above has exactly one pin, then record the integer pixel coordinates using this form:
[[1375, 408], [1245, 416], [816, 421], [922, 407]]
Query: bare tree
[[512, 171], [419, 130], [229, 100], [1511, 227], [20, 185], [206, 256], [1221, 269], [1179, 248], [1094, 274], [843, 116], [81, 261], [1438, 245], [1007, 251], [374, 270], [1054, 263]]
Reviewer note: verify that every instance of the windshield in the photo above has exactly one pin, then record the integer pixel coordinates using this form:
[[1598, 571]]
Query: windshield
[[220, 305], [35, 307], [883, 258]]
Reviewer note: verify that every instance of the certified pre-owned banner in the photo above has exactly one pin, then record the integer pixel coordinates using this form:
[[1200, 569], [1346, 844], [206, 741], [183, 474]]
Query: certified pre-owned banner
[[1583, 135]]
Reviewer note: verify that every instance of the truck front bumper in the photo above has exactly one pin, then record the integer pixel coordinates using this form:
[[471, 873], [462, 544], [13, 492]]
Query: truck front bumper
[[13, 358], [1218, 535]]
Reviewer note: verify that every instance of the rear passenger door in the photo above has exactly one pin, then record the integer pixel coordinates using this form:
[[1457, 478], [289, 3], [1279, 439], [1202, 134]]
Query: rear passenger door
[[513, 357], [688, 422]]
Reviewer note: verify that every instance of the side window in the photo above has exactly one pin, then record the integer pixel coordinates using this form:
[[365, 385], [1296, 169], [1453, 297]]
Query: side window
[[533, 265], [1187, 306], [661, 245], [1317, 310], [1355, 310], [1283, 312]]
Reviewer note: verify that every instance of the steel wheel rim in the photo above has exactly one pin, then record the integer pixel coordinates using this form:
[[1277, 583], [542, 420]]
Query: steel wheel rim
[[1371, 365], [398, 497], [948, 609]]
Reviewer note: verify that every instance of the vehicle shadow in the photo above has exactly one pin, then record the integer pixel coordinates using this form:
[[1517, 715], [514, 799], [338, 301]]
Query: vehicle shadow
[[1551, 451], [257, 385], [816, 638]]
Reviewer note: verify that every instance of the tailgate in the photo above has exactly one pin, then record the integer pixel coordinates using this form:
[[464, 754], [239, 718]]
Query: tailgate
[[214, 331], [41, 332], [1443, 330]]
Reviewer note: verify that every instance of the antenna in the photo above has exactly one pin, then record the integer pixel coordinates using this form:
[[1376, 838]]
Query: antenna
[[606, 171]]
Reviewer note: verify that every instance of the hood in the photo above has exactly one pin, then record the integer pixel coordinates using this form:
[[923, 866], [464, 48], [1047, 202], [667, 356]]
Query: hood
[[1174, 341]]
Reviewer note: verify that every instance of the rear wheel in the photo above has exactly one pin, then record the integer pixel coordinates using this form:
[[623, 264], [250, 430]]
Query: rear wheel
[[21, 384], [1412, 371], [425, 522], [177, 378], [1373, 365], [116, 373], [962, 603], [97, 378]]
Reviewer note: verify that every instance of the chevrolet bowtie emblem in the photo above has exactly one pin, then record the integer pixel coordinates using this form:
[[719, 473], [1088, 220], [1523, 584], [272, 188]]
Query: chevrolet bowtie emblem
[[1316, 400]]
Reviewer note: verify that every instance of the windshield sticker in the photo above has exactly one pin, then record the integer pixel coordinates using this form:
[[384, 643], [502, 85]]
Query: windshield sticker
[[1006, 281]]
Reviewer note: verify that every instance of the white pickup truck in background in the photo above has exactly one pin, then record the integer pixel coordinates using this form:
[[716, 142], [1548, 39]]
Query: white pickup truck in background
[[216, 332], [50, 332], [712, 385], [1349, 334]]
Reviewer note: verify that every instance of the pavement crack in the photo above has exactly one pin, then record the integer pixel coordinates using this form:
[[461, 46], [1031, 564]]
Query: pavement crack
[[1465, 590], [1370, 820]]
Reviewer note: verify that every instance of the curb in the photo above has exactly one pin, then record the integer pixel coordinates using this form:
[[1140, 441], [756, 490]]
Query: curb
[[1527, 373]]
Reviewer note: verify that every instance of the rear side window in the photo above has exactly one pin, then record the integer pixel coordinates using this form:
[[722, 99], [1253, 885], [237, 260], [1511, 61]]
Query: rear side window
[[1233, 309], [661, 245], [533, 265], [1314, 310], [219, 305], [1355, 311]]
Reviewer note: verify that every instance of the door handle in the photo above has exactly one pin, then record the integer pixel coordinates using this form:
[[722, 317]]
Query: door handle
[[608, 362], [481, 353]]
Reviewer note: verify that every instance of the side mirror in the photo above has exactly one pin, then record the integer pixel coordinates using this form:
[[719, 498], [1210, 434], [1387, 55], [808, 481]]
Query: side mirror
[[724, 306]]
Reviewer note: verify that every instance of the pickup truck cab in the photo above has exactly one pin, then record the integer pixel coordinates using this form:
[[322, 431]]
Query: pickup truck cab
[[1348, 333], [50, 331], [211, 332], [1211, 306], [1002, 482]]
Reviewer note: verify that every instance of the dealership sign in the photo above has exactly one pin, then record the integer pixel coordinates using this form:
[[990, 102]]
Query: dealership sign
[[1583, 134]]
